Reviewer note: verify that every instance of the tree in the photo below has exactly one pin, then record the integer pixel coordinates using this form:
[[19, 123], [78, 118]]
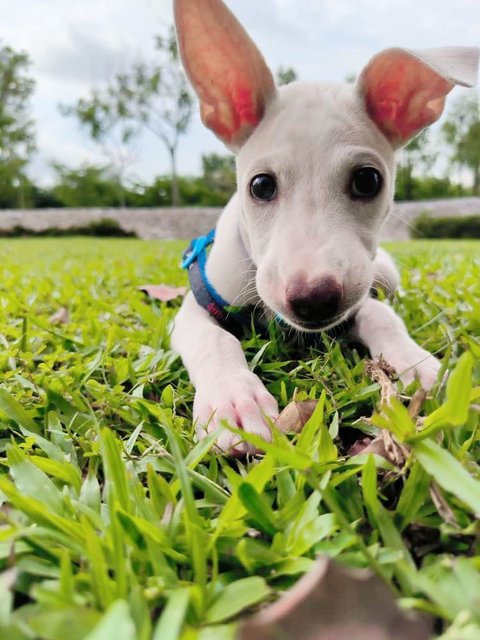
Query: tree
[[462, 132], [99, 116], [17, 138], [219, 173], [417, 154], [86, 187], [155, 97], [286, 75]]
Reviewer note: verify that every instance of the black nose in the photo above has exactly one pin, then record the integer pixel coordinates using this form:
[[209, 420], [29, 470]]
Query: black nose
[[317, 302]]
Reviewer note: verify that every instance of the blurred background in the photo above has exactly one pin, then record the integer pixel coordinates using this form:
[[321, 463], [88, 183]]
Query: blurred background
[[95, 110]]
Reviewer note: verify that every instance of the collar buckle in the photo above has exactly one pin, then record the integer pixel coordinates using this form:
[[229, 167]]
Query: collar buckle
[[196, 248]]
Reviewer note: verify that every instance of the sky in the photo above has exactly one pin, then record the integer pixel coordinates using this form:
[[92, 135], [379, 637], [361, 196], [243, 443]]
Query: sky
[[78, 46]]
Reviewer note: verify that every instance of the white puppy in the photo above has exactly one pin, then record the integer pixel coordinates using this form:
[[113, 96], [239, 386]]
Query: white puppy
[[315, 176]]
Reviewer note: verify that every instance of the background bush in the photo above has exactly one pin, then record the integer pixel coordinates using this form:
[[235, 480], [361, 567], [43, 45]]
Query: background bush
[[451, 227], [106, 228]]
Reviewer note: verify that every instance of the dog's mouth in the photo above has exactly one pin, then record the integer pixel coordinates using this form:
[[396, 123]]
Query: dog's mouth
[[314, 326]]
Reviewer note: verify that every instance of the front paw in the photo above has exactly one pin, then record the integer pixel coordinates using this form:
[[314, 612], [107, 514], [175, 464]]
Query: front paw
[[241, 401], [414, 363]]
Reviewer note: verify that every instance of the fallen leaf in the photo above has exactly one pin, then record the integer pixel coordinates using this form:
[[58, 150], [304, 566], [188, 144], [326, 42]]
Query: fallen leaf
[[367, 445], [416, 403], [332, 602], [62, 316], [163, 292], [295, 415], [442, 505]]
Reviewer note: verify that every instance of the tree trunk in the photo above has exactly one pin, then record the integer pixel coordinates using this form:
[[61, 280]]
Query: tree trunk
[[21, 194], [409, 181], [476, 180], [175, 185], [121, 191]]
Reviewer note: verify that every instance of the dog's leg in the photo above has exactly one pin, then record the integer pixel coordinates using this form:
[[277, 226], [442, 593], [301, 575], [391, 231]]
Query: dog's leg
[[226, 389], [379, 328], [385, 273]]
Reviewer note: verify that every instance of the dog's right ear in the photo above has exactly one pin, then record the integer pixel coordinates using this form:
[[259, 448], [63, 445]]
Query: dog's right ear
[[225, 68], [404, 90]]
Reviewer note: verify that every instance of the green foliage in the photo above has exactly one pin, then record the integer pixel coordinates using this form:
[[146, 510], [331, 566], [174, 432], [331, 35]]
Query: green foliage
[[106, 227], [93, 186], [16, 128], [414, 180], [416, 155], [286, 75], [219, 174], [16, 189], [193, 192], [16, 88], [462, 132], [89, 186], [414, 187], [115, 522], [449, 227]]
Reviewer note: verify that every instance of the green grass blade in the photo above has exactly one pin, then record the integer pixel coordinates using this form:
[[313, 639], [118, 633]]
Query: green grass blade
[[193, 521], [101, 584], [236, 597], [257, 507], [448, 473], [115, 471], [172, 619], [32, 482], [16, 412], [454, 412], [116, 624], [414, 494]]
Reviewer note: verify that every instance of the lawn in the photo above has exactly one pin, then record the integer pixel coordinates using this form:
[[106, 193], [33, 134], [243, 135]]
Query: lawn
[[116, 523]]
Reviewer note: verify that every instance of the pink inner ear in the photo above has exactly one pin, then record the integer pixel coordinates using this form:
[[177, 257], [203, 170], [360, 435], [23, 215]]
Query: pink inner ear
[[231, 114], [227, 71], [403, 95]]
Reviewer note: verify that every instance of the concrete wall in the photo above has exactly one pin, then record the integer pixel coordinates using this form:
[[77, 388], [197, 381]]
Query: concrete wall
[[397, 226], [189, 222], [164, 223]]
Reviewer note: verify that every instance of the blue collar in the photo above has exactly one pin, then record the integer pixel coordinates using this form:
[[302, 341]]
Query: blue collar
[[235, 319]]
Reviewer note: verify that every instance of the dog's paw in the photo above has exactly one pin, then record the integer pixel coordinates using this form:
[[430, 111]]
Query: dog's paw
[[416, 363], [243, 402]]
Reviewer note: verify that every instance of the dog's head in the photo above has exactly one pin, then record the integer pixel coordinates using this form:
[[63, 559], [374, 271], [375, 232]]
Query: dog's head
[[315, 163]]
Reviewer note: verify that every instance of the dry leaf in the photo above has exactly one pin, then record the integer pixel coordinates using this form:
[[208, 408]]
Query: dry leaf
[[62, 316], [163, 292], [332, 602], [416, 403], [367, 445], [442, 505], [295, 415]]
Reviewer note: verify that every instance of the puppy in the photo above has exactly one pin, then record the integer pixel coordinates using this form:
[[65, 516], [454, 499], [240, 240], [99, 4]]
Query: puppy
[[299, 239]]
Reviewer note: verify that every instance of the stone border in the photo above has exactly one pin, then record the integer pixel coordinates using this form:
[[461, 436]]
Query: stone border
[[188, 222]]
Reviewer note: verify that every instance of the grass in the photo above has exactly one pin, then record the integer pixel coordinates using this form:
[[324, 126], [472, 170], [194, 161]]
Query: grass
[[115, 522]]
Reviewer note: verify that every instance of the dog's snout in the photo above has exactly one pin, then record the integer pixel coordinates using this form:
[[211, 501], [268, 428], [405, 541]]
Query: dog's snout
[[315, 302]]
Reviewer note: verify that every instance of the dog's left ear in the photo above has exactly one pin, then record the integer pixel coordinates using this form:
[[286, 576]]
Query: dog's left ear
[[225, 68], [404, 90]]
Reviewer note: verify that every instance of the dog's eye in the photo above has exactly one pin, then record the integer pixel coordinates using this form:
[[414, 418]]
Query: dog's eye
[[263, 187], [366, 182]]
